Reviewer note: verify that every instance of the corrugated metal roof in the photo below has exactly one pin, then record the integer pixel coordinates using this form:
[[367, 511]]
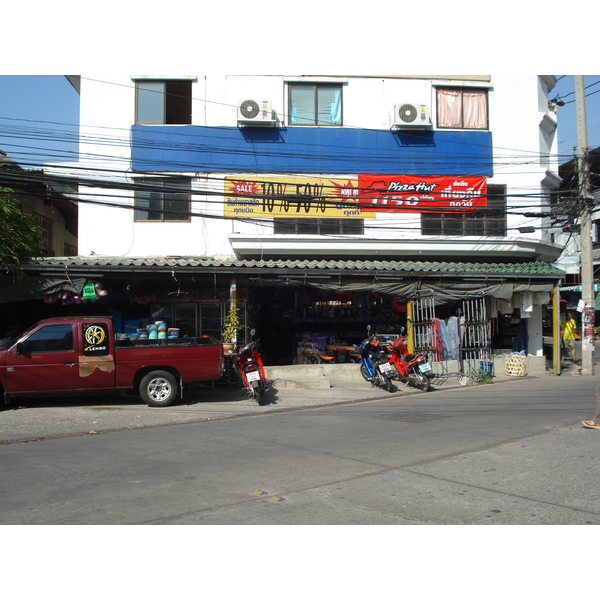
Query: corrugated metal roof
[[165, 263], [577, 288]]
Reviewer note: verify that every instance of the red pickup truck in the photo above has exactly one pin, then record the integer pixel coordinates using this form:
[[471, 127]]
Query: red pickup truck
[[75, 355]]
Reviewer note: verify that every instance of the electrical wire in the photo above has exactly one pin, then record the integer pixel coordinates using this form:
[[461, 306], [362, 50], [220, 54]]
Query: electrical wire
[[115, 141], [346, 126], [179, 141]]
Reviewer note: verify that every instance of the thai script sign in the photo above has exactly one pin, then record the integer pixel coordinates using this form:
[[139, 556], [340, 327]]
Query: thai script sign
[[411, 193], [293, 197]]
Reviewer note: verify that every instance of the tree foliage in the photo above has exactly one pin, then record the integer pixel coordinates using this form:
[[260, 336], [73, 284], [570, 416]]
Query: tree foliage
[[20, 235]]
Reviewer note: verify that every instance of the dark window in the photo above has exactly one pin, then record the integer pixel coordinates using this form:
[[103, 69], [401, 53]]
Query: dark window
[[50, 338], [47, 226], [572, 279], [490, 221], [319, 226], [70, 250], [462, 108], [315, 104], [163, 200], [163, 102]]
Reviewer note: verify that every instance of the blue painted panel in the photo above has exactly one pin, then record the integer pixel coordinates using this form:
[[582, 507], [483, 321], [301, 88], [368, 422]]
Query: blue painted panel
[[311, 150]]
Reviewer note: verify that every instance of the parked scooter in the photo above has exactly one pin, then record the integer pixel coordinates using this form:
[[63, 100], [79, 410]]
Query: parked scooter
[[370, 365], [252, 371], [410, 369]]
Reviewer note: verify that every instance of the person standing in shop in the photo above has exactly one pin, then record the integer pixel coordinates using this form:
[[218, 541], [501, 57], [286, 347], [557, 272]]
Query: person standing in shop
[[568, 328]]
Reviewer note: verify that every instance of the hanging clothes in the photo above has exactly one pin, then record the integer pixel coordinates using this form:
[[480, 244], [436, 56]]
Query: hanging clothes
[[521, 340], [449, 338], [526, 305]]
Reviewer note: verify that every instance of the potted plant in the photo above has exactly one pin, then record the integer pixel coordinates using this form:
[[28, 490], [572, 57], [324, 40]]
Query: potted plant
[[231, 326]]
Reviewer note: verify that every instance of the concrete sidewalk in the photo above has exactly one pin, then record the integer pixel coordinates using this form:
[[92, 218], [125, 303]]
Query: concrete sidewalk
[[33, 419], [43, 418]]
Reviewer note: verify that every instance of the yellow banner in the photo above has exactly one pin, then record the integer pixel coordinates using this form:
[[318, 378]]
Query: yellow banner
[[293, 197]]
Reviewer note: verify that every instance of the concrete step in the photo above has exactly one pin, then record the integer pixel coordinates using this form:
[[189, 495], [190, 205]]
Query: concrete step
[[324, 376], [312, 377], [298, 377], [307, 383]]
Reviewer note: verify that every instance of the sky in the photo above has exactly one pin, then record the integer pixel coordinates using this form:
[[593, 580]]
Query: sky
[[566, 116], [39, 117]]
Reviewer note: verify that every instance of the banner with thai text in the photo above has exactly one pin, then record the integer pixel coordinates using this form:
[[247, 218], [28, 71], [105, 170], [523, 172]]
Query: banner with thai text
[[411, 193], [293, 197]]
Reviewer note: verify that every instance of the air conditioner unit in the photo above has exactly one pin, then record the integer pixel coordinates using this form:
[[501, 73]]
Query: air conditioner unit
[[256, 112], [411, 115]]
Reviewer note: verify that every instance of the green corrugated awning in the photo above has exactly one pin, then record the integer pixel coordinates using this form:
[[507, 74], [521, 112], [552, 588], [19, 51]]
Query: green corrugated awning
[[443, 280], [166, 263]]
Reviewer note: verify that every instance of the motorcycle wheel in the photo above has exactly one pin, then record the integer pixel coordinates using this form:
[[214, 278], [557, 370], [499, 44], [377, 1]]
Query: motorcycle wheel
[[260, 395], [256, 392], [385, 383], [363, 372], [421, 381]]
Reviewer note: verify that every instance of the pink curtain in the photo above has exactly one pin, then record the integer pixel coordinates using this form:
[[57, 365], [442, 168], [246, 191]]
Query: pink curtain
[[462, 109], [449, 108], [475, 109]]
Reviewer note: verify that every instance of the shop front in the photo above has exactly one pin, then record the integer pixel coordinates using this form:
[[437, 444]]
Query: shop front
[[191, 304], [459, 312], [450, 310]]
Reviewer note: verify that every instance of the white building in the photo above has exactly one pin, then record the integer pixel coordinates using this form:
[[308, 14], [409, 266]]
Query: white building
[[439, 183]]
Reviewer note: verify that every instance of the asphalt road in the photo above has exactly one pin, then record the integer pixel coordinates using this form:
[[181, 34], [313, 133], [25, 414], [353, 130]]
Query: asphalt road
[[506, 453]]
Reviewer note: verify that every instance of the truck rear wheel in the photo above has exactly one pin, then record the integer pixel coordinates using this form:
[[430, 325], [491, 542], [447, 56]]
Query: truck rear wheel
[[159, 388]]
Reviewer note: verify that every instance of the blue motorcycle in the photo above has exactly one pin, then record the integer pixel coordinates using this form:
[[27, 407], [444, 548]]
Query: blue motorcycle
[[373, 364]]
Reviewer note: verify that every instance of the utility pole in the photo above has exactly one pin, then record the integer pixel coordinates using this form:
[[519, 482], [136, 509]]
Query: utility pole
[[587, 266]]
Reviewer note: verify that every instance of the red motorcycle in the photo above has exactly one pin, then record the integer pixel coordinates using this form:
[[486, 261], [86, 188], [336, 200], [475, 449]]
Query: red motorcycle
[[252, 370], [411, 369]]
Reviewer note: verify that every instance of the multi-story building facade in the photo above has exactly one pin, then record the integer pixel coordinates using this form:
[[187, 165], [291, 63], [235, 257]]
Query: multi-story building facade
[[52, 205], [354, 199]]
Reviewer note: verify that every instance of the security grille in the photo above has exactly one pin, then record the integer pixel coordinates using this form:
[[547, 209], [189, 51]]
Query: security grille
[[465, 339], [475, 335]]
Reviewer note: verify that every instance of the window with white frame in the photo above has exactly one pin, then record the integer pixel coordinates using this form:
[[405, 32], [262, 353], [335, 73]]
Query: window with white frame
[[167, 102], [315, 104], [163, 200], [462, 108]]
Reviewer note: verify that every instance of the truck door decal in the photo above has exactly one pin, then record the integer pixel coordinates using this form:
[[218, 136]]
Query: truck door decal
[[96, 357], [95, 339]]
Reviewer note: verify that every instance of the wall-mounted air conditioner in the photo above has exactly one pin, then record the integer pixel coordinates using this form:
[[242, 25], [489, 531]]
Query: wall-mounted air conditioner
[[411, 115], [256, 112]]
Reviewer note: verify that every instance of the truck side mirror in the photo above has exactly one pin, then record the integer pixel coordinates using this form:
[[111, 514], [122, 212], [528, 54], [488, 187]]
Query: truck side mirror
[[20, 348]]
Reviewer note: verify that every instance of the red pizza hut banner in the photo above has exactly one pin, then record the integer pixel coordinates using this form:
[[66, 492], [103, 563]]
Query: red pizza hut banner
[[410, 193]]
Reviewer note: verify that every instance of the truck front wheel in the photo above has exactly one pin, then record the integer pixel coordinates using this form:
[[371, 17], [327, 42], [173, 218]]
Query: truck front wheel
[[158, 388]]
